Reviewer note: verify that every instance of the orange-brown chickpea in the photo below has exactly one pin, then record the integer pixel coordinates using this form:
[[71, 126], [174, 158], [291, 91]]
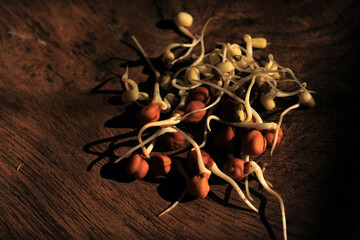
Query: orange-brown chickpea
[[253, 142], [149, 113], [236, 168], [174, 140], [195, 117], [192, 160], [137, 166], [225, 139], [270, 136], [160, 165], [198, 185], [199, 94]]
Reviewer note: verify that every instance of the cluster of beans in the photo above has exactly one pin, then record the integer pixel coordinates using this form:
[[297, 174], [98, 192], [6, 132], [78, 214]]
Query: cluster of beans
[[222, 85]]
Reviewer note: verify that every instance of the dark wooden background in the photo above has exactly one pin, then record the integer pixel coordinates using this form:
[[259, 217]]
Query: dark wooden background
[[62, 121]]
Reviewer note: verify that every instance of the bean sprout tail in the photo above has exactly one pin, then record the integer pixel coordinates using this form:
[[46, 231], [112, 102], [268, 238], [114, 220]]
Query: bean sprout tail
[[247, 100], [255, 168], [124, 77], [279, 124], [247, 191], [186, 176], [200, 58]]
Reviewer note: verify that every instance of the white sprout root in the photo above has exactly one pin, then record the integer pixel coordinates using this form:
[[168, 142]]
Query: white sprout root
[[187, 178], [171, 121], [156, 96], [200, 58], [125, 77], [258, 172], [247, 190], [214, 169], [259, 126], [18, 168], [279, 124], [143, 143], [153, 142], [201, 164], [190, 47], [247, 100]]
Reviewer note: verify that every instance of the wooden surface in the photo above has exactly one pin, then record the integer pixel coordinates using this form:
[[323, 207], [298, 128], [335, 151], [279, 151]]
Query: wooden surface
[[62, 121]]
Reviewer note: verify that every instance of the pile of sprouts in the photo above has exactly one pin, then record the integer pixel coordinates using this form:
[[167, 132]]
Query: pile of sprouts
[[218, 90]]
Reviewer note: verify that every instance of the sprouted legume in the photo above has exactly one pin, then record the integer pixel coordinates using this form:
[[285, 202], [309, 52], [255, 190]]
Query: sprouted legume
[[223, 84]]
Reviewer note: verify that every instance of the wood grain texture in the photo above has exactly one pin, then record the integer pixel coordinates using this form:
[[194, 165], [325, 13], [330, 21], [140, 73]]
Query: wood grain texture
[[62, 120]]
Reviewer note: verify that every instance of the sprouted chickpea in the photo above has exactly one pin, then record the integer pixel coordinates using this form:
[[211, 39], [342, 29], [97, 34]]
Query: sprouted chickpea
[[175, 119], [307, 99], [165, 80], [151, 113], [259, 42], [214, 58], [192, 74], [194, 112], [132, 90], [253, 142], [233, 52], [236, 168], [137, 166], [271, 65], [199, 94], [183, 20], [168, 56], [226, 67], [270, 136], [198, 185], [174, 140], [220, 84], [171, 101], [212, 166], [160, 164], [267, 101]]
